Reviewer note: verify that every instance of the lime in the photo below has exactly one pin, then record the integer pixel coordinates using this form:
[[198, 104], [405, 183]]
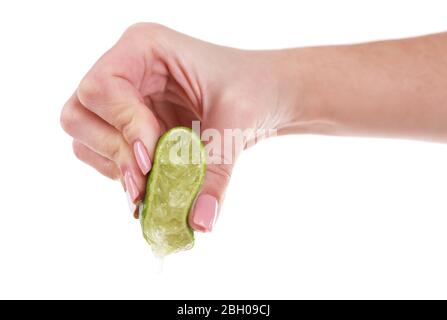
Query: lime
[[177, 174]]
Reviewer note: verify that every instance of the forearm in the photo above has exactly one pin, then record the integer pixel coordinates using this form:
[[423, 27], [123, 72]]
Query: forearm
[[390, 88]]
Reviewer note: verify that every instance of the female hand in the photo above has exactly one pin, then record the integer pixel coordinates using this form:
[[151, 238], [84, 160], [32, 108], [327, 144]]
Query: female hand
[[154, 79]]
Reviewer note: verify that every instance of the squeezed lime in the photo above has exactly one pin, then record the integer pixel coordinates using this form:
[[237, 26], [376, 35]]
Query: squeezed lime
[[175, 179]]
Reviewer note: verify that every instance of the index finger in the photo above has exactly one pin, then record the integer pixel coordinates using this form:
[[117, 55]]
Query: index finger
[[112, 90]]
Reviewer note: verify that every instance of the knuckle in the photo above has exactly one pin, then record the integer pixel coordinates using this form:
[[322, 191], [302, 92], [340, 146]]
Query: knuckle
[[68, 118], [113, 149], [223, 172], [126, 125], [131, 124], [145, 27], [89, 90], [77, 149], [115, 153]]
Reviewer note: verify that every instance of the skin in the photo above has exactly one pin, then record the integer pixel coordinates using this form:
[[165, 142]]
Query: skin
[[155, 78]]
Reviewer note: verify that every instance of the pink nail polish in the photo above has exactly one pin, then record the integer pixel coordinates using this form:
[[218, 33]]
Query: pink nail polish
[[204, 214], [131, 186], [143, 160]]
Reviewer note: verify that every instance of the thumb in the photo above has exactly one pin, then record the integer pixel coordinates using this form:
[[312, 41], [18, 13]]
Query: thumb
[[205, 210], [220, 162]]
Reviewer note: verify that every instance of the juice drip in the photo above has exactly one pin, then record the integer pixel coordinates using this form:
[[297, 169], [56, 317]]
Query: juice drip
[[160, 265]]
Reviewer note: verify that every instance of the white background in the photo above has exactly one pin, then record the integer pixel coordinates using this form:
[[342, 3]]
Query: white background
[[304, 217]]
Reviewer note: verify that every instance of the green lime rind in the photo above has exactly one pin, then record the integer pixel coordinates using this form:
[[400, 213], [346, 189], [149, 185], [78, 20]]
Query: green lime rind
[[176, 176]]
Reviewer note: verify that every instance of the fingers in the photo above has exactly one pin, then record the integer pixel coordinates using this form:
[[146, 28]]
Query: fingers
[[118, 104], [103, 165], [111, 91], [106, 141], [93, 132]]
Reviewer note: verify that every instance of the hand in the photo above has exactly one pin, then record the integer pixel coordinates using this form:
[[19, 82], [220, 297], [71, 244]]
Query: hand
[[155, 78]]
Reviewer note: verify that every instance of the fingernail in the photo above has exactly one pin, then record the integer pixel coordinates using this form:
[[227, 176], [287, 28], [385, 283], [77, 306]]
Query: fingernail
[[143, 160], [131, 187], [204, 214]]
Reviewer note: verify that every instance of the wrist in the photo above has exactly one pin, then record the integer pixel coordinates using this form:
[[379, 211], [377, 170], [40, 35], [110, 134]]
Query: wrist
[[303, 92]]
